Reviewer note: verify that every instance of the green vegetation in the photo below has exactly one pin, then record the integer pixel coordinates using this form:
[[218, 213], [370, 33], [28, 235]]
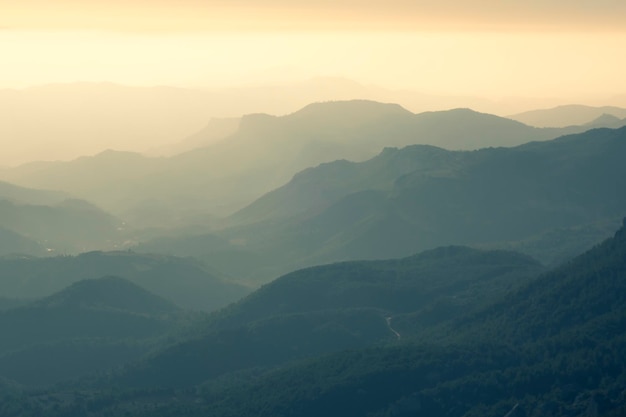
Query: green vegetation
[[334, 307], [552, 347], [72, 225], [419, 325], [93, 325], [195, 287], [407, 200], [265, 152]]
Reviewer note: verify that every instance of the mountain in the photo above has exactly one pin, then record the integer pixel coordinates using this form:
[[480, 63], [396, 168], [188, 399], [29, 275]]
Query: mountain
[[216, 130], [607, 120], [552, 346], [110, 115], [264, 153], [24, 195], [588, 293], [556, 246], [420, 197], [335, 307], [570, 115], [69, 226], [21, 207], [184, 282], [90, 326], [144, 118], [108, 293], [12, 243]]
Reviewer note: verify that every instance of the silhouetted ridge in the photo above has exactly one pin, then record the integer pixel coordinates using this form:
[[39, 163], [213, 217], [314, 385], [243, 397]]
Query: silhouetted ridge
[[25, 195], [12, 243], [109, 293], [183, 281], [556, 344], [461, 254], [334, 307], [90, 326], [607, 120], [256, 121], [567, 115], [349, 109], [395, 285], [407, 200]]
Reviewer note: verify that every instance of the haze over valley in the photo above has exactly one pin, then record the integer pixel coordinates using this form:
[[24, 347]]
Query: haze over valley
[[334, 209]]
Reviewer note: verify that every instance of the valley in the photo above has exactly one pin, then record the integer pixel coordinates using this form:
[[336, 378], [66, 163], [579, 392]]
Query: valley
[[350, 259]]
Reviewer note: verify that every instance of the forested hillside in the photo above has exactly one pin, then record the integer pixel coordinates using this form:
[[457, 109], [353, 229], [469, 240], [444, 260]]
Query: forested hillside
[[419, 197]]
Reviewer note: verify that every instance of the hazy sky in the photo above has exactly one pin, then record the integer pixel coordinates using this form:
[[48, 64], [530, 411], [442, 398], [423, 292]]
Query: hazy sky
[[483, 47]]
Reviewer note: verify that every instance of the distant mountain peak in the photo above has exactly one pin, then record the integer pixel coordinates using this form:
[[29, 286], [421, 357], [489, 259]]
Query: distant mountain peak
[[567, 115], [607, 120], [112, 153], [254, 120], [343, 107]]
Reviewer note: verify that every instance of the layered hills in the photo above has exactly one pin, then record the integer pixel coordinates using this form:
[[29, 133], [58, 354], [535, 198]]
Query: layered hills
[[264, 153], [108, 293], [419, 197], [12, 243], [68, 227], [338, 306], [570, 115], [92, 325], [550, 345], [37, 222], [391, 299], [24, 195], [185, 282]]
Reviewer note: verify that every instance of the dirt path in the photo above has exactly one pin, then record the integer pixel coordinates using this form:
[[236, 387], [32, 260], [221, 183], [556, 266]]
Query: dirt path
[[388, 319]]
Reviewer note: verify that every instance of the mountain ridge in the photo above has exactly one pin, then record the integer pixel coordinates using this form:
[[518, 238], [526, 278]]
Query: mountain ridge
[[268, 151], [419, 197], [108, 293], [185, 282]]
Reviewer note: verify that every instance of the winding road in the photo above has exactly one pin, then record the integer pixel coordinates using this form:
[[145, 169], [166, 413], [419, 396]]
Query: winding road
[[388, 319]]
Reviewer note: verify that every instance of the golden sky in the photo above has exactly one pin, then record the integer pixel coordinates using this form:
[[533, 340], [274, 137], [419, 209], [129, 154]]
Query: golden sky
[[481, 47], [207, 15]]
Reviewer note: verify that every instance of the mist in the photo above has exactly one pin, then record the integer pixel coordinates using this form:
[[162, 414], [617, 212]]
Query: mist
[[295, 209]]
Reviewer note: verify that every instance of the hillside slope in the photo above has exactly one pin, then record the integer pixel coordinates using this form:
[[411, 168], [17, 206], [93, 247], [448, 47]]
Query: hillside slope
[[419, 197], [335, 307], [184, 282], [91, 326], [264, 153], [553, 347]]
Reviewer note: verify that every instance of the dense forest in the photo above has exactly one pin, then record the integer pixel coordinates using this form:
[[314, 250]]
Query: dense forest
[[550, 345], [410, 281]]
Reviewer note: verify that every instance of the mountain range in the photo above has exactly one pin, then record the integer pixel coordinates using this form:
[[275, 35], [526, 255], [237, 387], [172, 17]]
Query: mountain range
[[572, 115], [543, 343], [39, 222], [70, 226], [154, 118], [265, 152], [93, 325], [184, 282], [420, 197], [376, 262], [335, 307]]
